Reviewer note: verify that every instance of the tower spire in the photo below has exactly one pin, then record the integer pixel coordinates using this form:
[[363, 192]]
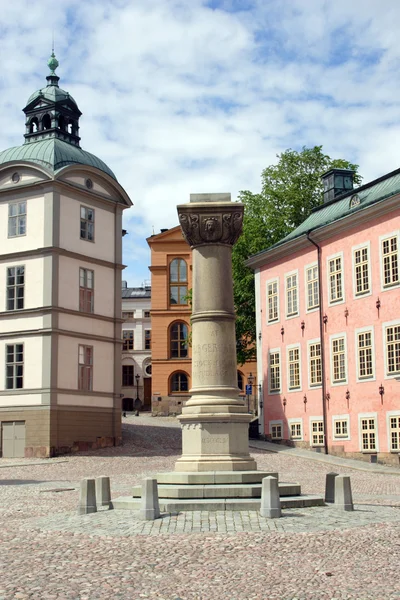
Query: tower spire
[[52, 63]]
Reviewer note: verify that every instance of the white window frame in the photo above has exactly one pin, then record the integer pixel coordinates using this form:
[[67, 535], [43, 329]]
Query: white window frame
[[384, 327], [343, 299], [276, 423], [274, 351], [382, 238], [126, 340], [17, 217], [390, 414], [296, 313], [311, 421], [336, 418], [15, 287], [306, 284], [371, 415], [331, 340], [295, 421], [310, 343], [15, 365], [267, 284], [356, 334], [354, 249], [288, 348]]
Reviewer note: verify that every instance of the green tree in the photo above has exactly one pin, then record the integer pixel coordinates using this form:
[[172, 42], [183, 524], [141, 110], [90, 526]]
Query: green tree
[[290, 190]]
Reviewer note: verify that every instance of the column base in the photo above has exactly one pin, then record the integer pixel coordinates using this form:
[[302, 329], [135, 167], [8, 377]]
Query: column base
[[215, 441]]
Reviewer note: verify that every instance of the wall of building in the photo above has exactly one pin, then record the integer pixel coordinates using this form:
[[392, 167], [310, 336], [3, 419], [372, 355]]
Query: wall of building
[[352, 398]]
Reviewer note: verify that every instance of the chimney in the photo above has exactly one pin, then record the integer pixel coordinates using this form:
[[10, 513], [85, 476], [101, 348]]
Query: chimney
[[124, 285], [337, 182]]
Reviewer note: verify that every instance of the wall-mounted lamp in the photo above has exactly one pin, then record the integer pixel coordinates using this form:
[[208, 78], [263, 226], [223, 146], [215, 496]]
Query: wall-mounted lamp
[[303, 326], [259, 335], [284, 402], [305, 401], [325, 320], [347, 397], [378, 305], [346, 313], [282, 332], [381, 392]]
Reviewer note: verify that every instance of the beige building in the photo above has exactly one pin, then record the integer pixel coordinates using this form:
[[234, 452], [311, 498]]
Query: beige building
[[60, 286], [136, 347]]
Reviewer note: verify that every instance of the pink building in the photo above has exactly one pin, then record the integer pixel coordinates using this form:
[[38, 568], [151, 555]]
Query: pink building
[[328, 321]]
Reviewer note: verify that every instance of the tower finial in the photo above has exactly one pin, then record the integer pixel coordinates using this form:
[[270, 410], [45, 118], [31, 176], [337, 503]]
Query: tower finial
[[52, 62]]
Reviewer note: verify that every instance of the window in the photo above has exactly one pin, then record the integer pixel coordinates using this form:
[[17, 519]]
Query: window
[[147, 314], [273, 301], [361, 268], [276, 431], [317, 433], [15, 288], [86, 290], [274, 371], [340, 428], [315, 364], [14, 366], [393, 349], [178, 340], [390, 253], [364, 345], [147, 339], [294, 368], [296, 431], [177, 281], [240, 381], [179, 383], [16, 219], [127, 337], [128, 314], [339, 360], [291, 295], [85, 375], [368, 431], [335, 279], [127, 376], [87, 224], [312, 287], [394, 433]]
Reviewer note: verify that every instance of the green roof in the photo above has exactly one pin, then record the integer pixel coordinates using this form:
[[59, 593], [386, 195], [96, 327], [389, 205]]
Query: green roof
[[52, 93], [54, 154]]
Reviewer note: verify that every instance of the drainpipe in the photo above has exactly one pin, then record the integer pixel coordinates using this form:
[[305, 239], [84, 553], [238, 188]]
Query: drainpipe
[[321, 333]]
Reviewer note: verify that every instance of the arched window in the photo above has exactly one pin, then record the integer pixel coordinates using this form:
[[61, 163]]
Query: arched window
[[62, 123], [46, 122], [33, 125], [178, 383], [240, 381], [178, 281], [178, 340]]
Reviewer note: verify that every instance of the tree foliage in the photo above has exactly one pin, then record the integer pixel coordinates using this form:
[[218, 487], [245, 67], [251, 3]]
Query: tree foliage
[[290, 190]]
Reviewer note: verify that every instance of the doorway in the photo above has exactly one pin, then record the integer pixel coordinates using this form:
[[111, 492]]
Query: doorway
[[13, 439]]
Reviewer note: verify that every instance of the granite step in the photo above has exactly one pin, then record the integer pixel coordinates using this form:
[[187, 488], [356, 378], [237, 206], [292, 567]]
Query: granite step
[[213, 477], [215, 504], [218, 491]]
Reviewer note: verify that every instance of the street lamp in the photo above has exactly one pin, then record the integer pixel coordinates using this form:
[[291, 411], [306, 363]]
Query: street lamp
[[250, 381], [137, 377]]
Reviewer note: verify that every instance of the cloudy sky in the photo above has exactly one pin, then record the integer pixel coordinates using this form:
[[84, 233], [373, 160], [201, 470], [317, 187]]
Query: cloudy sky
[[182, 96]]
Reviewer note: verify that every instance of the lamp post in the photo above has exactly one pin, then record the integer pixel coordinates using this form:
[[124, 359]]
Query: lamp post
[[250, 381], [137, 377]]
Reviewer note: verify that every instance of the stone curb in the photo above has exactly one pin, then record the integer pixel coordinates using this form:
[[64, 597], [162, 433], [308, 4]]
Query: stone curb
[[45, 462]]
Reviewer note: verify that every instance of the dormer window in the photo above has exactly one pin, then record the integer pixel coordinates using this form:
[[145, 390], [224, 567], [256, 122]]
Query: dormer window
[[337, 182]]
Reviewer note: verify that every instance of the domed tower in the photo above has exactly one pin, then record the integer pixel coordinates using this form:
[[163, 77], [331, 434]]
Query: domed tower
[[60, 297]]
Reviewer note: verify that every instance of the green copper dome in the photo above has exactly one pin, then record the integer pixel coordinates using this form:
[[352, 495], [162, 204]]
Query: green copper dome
[[54, 154]]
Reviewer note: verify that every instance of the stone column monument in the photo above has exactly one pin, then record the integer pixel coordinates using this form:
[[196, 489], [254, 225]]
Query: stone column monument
[[214, 420]]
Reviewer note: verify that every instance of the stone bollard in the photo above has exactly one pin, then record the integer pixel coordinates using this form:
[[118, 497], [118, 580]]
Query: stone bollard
[[103, 492], [343, 497], [149, 507], [87, 497], [330, 487], [270, 501]]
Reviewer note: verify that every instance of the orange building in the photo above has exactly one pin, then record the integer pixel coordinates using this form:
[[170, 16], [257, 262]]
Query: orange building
[[171, 280]]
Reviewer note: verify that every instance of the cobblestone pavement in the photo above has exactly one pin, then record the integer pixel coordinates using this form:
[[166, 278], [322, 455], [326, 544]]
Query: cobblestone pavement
[[47, 551]]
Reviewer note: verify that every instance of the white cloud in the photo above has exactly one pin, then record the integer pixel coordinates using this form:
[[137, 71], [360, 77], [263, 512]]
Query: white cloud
[[178, 97]]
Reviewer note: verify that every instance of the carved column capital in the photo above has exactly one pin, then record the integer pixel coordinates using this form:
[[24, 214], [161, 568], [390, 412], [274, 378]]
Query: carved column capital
[[211, 223]]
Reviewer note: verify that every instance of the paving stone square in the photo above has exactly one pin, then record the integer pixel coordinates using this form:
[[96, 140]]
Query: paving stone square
[[48, 551]]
